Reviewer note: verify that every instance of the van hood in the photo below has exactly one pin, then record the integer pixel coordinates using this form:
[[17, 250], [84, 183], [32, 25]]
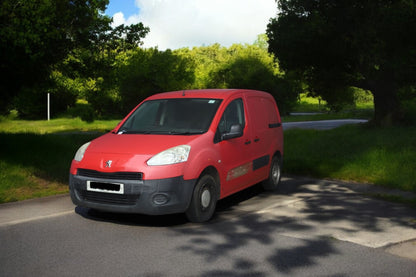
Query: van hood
[[137, 144]]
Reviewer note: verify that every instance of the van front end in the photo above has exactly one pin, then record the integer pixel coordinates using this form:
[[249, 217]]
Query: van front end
[[127, 192], [132, 174]]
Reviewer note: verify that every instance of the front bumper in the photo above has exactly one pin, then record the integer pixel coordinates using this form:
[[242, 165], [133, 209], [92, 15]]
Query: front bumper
[[151, 197]]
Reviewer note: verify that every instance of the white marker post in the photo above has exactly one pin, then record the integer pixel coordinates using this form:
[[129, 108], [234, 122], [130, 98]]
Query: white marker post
[[49, 106]]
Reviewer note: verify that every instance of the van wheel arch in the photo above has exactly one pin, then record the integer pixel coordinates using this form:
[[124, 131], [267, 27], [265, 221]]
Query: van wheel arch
[[204, 197], [214, 173], [275, 173]]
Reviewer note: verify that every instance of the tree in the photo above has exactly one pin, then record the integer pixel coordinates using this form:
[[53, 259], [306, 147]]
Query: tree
[[36, 34], [252, 67], [143, 72], [38, 37], [91, 73], [333, 45]]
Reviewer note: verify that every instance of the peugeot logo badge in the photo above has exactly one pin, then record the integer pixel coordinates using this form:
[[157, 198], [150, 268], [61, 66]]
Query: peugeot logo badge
[[108, 163]]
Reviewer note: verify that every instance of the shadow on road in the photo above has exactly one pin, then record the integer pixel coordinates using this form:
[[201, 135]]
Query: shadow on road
[[132, 219], [261, 222], [320, 203]]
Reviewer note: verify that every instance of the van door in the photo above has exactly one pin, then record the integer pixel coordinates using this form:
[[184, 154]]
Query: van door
[[262, 114], [236, 162]]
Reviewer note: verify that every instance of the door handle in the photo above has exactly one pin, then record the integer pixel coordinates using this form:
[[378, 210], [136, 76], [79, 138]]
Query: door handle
[[247, 142], [256, 140]]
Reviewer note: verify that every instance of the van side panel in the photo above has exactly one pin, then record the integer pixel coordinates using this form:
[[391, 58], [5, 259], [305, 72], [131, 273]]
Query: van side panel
[[266, 132], [235, 155]]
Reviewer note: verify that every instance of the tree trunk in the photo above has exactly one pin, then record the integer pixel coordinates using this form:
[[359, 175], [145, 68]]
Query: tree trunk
[[387, 108]]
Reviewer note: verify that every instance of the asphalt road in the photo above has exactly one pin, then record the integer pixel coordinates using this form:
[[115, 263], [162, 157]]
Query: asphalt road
[[308, 228], [322, 124]]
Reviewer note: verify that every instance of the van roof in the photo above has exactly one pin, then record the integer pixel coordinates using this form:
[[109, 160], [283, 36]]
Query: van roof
[[201, 93]]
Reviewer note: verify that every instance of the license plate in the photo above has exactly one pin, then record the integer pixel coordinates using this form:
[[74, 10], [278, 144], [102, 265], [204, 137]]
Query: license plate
[[116, 188]]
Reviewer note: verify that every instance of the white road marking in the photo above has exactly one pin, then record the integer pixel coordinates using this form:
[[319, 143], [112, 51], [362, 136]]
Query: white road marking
[[36, 218]]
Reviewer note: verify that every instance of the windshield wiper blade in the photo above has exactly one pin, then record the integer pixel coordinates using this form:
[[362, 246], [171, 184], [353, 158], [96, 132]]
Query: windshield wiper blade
[[127, 132], [187, 132]]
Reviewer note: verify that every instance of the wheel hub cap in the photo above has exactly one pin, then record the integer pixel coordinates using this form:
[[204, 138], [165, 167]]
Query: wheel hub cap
[[205, 198]]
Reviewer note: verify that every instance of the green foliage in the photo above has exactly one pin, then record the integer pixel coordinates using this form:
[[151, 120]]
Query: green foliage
[[148, 71], [64, 47], [35, 35], [242, 66], [83, 111], [333, 45], [123, 38]]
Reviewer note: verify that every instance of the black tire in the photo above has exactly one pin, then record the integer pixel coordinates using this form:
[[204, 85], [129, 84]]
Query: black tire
[[204, 199], [272, 183]]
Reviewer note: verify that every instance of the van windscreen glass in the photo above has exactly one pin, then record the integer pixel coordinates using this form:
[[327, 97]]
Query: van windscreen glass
[[185, 116]]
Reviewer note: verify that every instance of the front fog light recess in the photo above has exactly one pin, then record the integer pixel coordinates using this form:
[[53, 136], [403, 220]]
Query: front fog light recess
[[160, 199], [178, 154]]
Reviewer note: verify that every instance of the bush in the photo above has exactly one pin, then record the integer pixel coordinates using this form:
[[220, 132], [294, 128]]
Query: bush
[[83, 111]]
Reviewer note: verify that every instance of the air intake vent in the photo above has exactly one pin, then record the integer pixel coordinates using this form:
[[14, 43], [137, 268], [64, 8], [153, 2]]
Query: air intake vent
[[110, 175], [109, 198]]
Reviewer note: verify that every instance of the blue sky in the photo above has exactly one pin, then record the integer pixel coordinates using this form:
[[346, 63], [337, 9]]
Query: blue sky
[[127, 7], [187, 23]]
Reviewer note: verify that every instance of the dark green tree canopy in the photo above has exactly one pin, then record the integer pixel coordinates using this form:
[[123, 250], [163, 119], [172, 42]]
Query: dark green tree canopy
[[35, 35], [333, 44]]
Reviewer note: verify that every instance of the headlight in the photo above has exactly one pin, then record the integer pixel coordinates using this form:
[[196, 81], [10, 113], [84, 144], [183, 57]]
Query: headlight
[[178, 154], [80, 153]]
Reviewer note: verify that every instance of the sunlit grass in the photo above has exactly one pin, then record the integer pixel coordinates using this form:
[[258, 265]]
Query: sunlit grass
[[55, 126], [35, 155], [307, 104], [385, 157]]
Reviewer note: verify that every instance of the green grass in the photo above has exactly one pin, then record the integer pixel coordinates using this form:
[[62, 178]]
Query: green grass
[[55, 126], [34, 165], [384, 157], [306, 104], [35, 155]]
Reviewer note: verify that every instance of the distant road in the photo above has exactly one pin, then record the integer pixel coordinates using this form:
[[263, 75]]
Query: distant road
[[322, 124]]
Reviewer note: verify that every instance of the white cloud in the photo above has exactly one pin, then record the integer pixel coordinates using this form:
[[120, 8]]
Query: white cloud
[[187, 23], [118, 19]]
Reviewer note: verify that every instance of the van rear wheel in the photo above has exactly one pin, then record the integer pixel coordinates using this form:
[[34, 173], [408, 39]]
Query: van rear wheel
[[272, 183], [204, 200]]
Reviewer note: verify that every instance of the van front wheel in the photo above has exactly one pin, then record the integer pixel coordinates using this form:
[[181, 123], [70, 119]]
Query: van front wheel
[[273, 181], [204, 200]]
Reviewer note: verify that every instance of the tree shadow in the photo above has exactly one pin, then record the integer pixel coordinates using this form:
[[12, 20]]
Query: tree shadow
[[331, 201], [45, 156], [275, 241], [320, 203]]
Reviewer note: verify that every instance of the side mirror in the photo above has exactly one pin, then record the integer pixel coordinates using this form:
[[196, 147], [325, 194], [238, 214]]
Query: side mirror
[[235, 132]]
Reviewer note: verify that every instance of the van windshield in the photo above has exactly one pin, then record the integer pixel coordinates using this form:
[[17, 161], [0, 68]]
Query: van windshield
[[186, 116]]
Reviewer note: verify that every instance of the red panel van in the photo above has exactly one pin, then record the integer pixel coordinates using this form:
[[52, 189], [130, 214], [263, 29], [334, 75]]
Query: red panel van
[[180, 152]]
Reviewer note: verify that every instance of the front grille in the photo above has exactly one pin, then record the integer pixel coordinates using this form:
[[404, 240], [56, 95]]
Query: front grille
[[109, 198], [110, 175]]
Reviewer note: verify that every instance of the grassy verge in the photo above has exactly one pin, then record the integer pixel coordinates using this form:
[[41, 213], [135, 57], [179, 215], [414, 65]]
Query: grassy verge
[[55, 126], [384, 157], [35, 155], [34, 165], [318, 110]]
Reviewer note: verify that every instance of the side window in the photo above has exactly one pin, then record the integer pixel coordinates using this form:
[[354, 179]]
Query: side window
[[233, 114]]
